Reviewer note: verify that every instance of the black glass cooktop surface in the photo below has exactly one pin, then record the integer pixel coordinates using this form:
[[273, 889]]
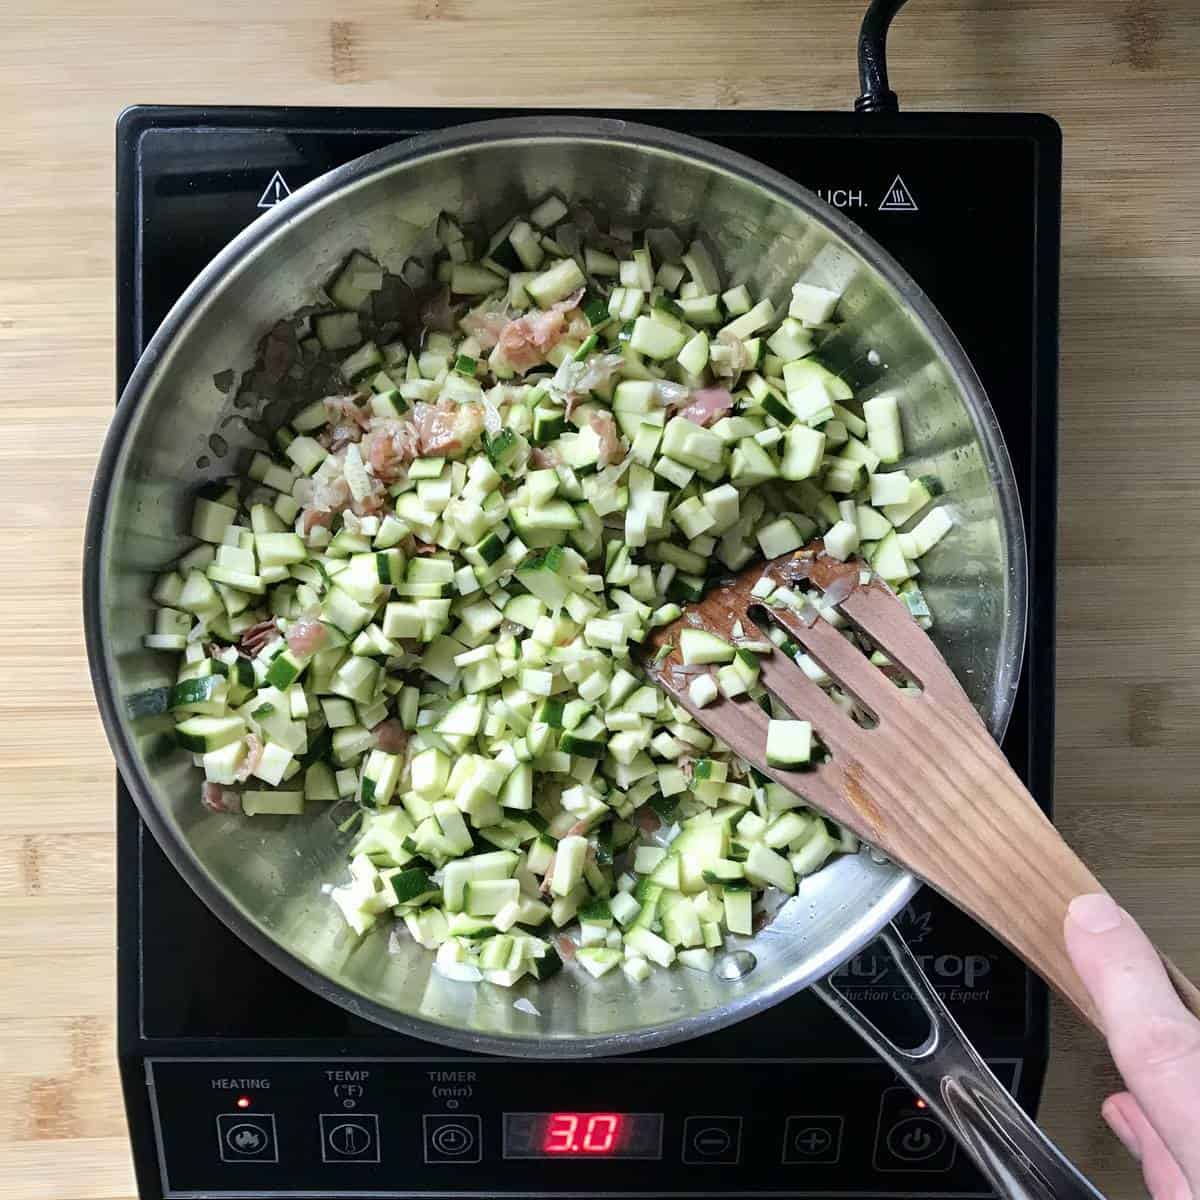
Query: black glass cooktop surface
[[240, 1082]]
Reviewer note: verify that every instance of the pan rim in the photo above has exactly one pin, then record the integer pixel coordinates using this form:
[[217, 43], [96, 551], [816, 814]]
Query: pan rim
[[189, 308]]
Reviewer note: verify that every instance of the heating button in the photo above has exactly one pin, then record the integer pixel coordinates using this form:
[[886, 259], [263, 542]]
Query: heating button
[[243, 1138], [712, 1140]]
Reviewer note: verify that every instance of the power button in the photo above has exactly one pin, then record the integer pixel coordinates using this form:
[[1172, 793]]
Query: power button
[[908, 1137], [916, 1139]]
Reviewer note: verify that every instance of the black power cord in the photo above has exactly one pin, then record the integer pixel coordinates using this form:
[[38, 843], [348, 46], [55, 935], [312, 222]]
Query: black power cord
[[876, 96]]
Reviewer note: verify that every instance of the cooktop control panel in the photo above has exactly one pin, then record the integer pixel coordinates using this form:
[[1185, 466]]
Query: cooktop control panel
[[426, 1127]]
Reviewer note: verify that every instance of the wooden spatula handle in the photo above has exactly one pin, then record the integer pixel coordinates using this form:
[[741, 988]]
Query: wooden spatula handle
[[996, 855]]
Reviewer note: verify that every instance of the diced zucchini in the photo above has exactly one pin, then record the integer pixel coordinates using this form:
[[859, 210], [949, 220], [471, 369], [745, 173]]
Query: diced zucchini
[[884, 435], [811, 304], [281, 803], [699, 646], [556, 283], [202, 734], [789, 743], [657, 340]]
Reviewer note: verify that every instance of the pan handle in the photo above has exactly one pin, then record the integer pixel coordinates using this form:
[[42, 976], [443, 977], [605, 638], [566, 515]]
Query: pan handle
[[1017, 1158]]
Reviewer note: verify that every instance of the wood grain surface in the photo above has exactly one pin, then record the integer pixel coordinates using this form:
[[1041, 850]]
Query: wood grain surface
[[1119, 75]]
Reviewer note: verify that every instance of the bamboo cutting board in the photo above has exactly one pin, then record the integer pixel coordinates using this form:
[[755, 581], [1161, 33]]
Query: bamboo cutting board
[[1120, 76]]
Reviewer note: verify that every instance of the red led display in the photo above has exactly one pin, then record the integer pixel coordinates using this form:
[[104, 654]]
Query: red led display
[[581, 1133], [575, 1136]]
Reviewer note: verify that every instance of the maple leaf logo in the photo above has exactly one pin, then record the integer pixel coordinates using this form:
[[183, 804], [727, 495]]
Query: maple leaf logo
[[914, 926]]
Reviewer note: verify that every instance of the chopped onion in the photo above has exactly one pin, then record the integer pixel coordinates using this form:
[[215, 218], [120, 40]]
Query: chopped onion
[[491, 417], [671, 393], [841, 587], [576, 380], [302, 491], [361, 485], [526, 1006], [611, 476], [664, 835], [807, 612], [798, 569], [459, 972]]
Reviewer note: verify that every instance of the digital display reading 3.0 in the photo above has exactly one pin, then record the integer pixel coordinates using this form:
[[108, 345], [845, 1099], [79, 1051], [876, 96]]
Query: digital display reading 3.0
[[582, 1135]]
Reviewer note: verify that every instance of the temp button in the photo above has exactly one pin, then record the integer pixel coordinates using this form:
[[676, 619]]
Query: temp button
[[712, 1140], [453, 1138], [349, 1137]]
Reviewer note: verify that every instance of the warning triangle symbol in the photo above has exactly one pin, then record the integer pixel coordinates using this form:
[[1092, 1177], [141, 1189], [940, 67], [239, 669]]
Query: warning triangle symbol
[[898, 198], [275, 192]]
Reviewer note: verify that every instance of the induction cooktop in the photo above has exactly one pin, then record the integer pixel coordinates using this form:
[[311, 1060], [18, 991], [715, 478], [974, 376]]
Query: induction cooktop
[[241, 1083]]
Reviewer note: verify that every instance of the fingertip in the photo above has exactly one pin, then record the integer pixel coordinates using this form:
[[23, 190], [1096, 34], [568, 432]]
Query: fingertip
[[1112, 1110], [1165, 1178]]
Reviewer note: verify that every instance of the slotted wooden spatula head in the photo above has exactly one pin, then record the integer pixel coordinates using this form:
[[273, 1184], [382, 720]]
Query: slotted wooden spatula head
[[912, 770], [861, 770]]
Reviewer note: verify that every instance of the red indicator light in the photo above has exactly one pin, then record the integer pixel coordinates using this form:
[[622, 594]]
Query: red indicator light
[[243, 1102], [921, 1103], [581, 1133]]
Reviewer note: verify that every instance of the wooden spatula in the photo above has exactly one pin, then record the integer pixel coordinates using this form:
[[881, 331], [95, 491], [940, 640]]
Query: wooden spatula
[[927, 785]]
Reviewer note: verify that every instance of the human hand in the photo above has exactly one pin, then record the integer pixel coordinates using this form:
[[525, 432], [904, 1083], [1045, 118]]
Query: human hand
[[1154, 1041]]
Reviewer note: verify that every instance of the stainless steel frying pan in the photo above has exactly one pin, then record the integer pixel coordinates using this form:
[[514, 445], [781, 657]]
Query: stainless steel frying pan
[[262, 876]]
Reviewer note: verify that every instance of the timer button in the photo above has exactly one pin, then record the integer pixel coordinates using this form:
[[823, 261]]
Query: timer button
[[453, 1138], [712, 1140]]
